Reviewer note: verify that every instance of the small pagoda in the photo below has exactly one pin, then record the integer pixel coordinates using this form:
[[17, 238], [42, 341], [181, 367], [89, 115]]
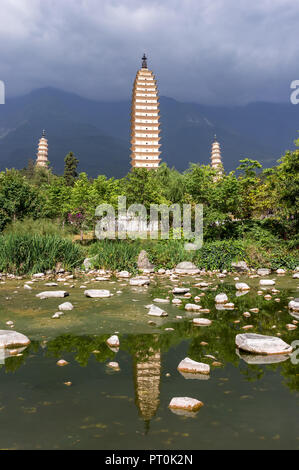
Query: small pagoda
[[216, 160], [42, 152], [145, 120]]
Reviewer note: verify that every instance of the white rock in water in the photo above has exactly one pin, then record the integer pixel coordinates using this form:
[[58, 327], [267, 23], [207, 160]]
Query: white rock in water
[[296, 276], [294, 305], [263, 271], [185, 403], [280, 271], [27, 287], [202, 284], [162, 301], [102, 278], [221, 299], [242, 286], [123, 274], [113, 341], [267, 282], [38, 275], [188, 365], [202, 321], [56, 315], [66, 306], [180, 290], [186, 267], [192, 307], [261, 344], [51, 284], [161, 271], [12, 338], [155, 311], [113, 365], [52, 294], [176, 301], [97, 293], [140, 282]]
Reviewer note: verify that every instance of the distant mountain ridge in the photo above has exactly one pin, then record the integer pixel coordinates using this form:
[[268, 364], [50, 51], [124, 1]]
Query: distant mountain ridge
[[98, 132]]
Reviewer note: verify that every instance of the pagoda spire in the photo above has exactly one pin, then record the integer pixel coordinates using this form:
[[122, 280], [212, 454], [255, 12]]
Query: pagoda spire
[[42, 151], [144, 62]]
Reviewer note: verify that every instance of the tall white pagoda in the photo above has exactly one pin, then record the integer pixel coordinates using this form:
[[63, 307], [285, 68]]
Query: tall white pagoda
[[42, 152], [145, 120], [216, 160]]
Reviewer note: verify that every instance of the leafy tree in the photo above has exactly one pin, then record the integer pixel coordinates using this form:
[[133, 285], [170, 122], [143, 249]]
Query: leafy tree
[[70, 169]]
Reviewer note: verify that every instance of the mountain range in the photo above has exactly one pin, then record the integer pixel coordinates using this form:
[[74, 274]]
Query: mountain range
[[98, 132]]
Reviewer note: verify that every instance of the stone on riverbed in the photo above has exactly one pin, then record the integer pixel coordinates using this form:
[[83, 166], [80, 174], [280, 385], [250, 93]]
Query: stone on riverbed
[[140, 281], [27, 287], [180, 290], [51, 284], [155, 311], [242, 286], [296, 276], [280, 271], [185, 403], [192, 307], [162, 301], [113, 341], [294, 305], [221, 299], [123, 274], [52, 294], [263, 271], [97, 293], [9, 339], [267, 282], [66, 306], [188, 365], [186, 267], [261, 344], [202, 322]]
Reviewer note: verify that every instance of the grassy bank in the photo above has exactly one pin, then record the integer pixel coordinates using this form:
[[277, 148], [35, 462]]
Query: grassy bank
[[31, 253]]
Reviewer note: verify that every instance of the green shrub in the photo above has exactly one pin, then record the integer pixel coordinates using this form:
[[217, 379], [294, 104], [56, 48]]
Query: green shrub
[[25, 254], [167, 253], [219, 254]]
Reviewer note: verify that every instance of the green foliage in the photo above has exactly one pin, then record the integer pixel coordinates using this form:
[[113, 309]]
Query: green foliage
[[70, 169], [167, 253], [24, 254], [219, 254], [116, 255]]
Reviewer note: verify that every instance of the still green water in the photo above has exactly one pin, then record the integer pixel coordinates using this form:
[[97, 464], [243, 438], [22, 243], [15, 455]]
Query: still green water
[[245, 405]]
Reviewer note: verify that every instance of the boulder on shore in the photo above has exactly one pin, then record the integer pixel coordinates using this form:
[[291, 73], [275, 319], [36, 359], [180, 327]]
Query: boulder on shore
[[186, 267], [9, 339], [261, 344], [143, 262], [53, 294], [263, 271], [240, 266], [139, 282], [113, 341]]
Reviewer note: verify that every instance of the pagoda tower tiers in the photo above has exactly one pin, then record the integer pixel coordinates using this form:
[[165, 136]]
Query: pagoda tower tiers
[[42, 152], [145, 120], [216, 161]]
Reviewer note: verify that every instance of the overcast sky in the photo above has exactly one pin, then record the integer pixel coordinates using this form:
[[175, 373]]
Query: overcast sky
[[207, 51]]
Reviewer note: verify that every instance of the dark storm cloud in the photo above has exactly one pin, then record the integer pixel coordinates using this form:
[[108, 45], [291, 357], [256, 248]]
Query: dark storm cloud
[[221, 51]]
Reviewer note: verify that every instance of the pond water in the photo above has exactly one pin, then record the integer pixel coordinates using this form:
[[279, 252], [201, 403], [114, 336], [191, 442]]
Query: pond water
[[246, 405]]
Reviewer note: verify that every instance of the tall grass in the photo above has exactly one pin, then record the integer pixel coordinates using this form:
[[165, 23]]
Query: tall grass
[[38, 227], [116, 255], [27, 254]]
